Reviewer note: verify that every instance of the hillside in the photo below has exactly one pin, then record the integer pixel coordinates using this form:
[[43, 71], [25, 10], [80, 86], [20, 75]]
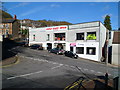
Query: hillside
[[53, 23]]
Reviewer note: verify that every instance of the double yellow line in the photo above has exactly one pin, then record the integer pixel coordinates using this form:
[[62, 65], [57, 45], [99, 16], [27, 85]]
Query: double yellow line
[[77, 83], [73, 85], [16, 62]]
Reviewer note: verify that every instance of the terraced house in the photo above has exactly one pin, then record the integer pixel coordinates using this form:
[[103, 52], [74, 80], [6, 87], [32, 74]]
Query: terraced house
[[88, 39], [10, 28]]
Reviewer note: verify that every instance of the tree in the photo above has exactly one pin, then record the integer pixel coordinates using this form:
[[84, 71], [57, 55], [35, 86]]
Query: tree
[[107, 22], [118, 28]]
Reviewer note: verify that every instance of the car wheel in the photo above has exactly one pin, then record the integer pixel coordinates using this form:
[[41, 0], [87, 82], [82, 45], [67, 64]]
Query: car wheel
[[76, 57], [37, 48], [57, 53], [71, 56]]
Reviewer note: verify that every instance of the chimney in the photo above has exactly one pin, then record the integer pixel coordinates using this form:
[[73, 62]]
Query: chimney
[[15, 17]]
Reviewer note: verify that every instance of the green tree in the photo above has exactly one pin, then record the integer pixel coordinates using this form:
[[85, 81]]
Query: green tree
[[107, 22]]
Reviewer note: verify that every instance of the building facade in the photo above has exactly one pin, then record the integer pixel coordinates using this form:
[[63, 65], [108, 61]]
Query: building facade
[[115, 48], [85, 39], [9, 28]]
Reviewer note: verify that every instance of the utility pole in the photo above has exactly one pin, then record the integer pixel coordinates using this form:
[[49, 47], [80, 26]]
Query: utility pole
[[106, 75]]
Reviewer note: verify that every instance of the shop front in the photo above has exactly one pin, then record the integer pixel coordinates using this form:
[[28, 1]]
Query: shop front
[[60, 45], [73, 47], [49, 46]]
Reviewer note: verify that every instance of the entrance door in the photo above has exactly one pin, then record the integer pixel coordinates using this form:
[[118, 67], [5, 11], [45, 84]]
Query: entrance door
[[60, 46], [49, 46], [71, 49], [110, 54]]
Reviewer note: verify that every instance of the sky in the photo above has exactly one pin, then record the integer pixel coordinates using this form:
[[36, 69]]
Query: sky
[[73, 12]]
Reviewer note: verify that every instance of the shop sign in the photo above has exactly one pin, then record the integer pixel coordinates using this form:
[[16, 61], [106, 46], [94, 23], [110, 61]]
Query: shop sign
[[79, 44], [57, 28], [72, 44]]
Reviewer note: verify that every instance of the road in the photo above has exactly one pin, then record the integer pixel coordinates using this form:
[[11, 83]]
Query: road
[[40, 69]]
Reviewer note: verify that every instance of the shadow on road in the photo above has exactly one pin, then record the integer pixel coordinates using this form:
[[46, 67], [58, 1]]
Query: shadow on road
[[6, 46]]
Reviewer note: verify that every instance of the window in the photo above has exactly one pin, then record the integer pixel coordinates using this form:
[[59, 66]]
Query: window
[[34, 37], [79, 36], [91, 36], [109, 35], [91, 50], [48, 37], [80, 50], [59, 36]]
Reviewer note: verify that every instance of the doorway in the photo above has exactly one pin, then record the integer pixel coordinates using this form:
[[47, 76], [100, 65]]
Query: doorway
[[60, 46], [49, 46], [71, 49]]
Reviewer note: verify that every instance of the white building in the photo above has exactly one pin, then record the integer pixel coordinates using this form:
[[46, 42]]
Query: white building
[[115, 48], [85, 39]]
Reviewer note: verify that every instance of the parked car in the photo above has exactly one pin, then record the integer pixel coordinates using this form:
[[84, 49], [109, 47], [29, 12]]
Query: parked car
[[56, 51], [21, 43], [71, 54], [36, 46]]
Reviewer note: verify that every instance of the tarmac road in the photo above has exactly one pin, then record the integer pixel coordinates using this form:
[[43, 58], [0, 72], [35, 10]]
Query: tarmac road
[[40, 69]]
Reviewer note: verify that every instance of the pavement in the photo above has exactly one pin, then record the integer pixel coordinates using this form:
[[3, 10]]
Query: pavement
[[98, 84], [9, 61]]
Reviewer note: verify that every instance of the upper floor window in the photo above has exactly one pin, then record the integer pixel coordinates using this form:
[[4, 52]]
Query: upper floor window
[[91, 36], [109, 35], [34, 37], [48, 37], [59, 36], [79, 36]]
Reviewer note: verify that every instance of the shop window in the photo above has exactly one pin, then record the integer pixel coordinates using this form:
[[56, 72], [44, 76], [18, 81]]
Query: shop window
[[79, 36], [59, 36], [80, 50], [48, 37], [91, 36], [34, 37], [91, 50]]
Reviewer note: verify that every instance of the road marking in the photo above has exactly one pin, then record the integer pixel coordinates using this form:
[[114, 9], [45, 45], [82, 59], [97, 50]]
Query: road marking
[[54, 63], [56, 67], [85, 69], [24, 75], [109, 74], [51, 62], [17, 61], [99, 72], [66, 65], [92, 70], [72, 66]]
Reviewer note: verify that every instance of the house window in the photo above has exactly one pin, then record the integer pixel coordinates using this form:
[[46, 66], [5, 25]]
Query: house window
[[91, 36], [91, 50], [80, 50], [48, 37], [34, 37], [79, 36]]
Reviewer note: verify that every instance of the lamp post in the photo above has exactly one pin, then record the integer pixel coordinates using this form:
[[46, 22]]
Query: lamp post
[[106, 75]]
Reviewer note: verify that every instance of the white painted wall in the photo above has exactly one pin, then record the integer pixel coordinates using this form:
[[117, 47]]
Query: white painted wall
[[89, 44], [116, 54], [102, 38], [1, 38]]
